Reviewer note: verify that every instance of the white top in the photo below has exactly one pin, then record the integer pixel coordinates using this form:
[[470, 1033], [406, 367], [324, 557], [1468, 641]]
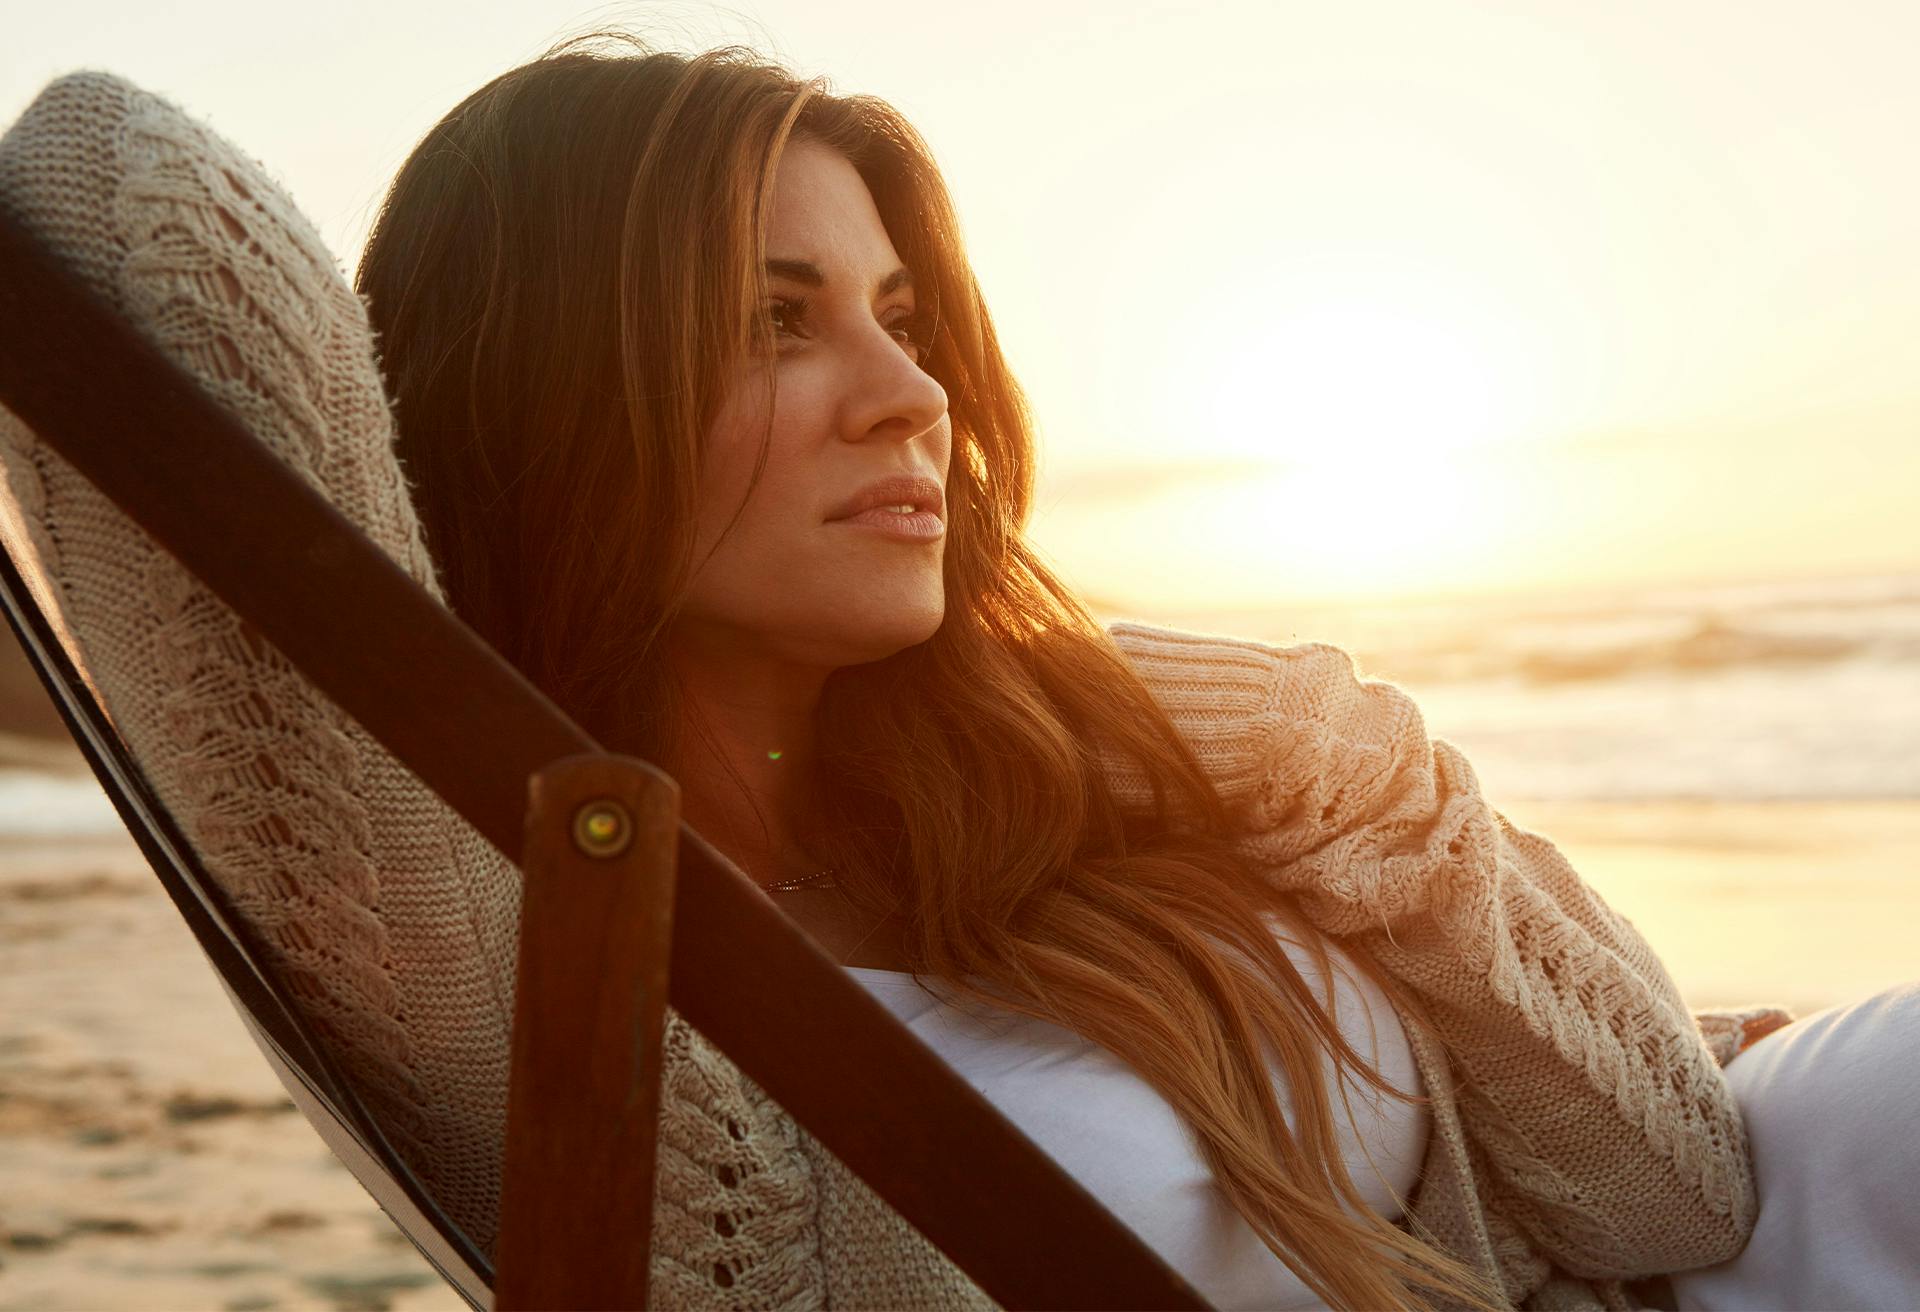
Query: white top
[[1111, 1131], [1835, 1135]]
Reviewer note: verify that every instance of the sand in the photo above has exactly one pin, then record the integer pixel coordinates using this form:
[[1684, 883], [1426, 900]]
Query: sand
[[150, 1159]]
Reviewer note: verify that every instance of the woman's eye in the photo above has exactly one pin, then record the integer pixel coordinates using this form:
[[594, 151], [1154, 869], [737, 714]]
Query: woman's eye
[[914, 332], [787, 313]]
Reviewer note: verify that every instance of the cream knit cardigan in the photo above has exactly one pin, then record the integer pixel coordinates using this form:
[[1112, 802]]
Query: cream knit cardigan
[[1581, 1128]]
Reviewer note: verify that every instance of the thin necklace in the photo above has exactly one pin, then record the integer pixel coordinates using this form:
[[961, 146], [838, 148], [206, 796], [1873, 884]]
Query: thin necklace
[[813, 881], [802, 881]]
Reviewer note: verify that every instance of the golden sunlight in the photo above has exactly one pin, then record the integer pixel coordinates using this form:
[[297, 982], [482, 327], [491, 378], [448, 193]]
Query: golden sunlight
[[1391, 410], [1332, 529], [1360, 367]]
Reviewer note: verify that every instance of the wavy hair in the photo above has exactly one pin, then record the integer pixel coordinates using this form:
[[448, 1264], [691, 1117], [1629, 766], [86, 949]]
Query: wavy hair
[[557, 309]]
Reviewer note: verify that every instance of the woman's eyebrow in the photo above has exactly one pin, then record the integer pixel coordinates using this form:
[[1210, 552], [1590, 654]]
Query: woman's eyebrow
[[808, 273]]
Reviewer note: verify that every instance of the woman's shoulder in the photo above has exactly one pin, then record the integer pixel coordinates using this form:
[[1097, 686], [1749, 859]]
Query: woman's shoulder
[[1214, 677], [1271, 721], [1193, 665], [1137, 637]]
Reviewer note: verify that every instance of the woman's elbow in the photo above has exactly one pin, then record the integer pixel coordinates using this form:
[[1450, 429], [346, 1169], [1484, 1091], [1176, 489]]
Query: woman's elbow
[[1649, 1217]]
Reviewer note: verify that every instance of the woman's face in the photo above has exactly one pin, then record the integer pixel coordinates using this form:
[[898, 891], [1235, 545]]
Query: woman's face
[[851, 406]]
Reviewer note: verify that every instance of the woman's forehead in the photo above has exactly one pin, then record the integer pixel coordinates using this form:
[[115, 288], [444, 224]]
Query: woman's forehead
[[824, 216]]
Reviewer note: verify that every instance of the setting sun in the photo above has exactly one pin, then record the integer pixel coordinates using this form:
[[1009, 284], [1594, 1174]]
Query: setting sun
[[1356, 372], [1328, 528]]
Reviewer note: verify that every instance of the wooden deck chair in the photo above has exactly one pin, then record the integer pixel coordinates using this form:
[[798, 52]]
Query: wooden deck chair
[[483, 956]]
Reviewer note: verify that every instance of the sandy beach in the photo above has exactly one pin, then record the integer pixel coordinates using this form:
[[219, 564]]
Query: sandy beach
[[152, 1161], [150, 1158]]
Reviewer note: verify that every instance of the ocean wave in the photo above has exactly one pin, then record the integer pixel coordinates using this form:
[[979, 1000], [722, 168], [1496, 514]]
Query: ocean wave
[[1713, 643]]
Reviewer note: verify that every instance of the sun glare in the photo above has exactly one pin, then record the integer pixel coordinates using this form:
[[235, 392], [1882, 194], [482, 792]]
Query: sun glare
[[1389, 411], [1351, 375], [1331, 530]]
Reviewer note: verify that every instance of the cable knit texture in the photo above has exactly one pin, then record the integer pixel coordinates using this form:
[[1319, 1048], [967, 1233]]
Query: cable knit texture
[[1582, 1132], [1586, 1107]]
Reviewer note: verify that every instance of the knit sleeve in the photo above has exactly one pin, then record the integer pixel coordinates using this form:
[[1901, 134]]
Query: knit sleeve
[[1608, 1133]]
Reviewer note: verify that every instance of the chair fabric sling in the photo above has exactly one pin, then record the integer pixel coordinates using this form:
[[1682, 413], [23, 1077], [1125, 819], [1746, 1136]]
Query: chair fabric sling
[[273, 1020], [386, 918], [337, 860]]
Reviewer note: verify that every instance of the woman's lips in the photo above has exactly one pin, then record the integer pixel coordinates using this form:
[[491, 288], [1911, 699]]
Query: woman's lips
[[920, 526]]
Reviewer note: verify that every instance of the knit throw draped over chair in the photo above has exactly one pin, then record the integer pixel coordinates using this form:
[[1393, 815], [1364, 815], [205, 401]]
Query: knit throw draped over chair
[[391, 920]]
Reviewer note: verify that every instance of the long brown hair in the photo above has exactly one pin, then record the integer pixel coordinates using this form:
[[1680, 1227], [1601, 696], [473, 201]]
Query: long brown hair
[[559, 278]]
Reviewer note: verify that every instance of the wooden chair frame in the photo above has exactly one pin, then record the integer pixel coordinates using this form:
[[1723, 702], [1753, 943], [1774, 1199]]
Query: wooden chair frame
[[617, 886]]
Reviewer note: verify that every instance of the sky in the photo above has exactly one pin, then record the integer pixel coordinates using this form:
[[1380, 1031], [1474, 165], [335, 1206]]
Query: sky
[[1313, 302]]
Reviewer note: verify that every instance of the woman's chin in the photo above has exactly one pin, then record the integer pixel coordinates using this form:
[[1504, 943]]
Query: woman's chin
[[878, 634]]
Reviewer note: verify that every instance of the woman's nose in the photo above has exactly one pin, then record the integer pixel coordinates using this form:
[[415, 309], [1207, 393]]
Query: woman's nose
[[892, 396]]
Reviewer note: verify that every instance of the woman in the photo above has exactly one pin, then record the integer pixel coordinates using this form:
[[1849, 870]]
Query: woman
[[711, 436]]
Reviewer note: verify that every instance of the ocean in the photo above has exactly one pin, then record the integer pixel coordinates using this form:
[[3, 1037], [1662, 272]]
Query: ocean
[[1758, 691], [1805, 690]]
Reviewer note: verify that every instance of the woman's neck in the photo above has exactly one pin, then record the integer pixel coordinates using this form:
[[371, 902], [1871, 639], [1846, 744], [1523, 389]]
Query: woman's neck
[[746, 761]]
